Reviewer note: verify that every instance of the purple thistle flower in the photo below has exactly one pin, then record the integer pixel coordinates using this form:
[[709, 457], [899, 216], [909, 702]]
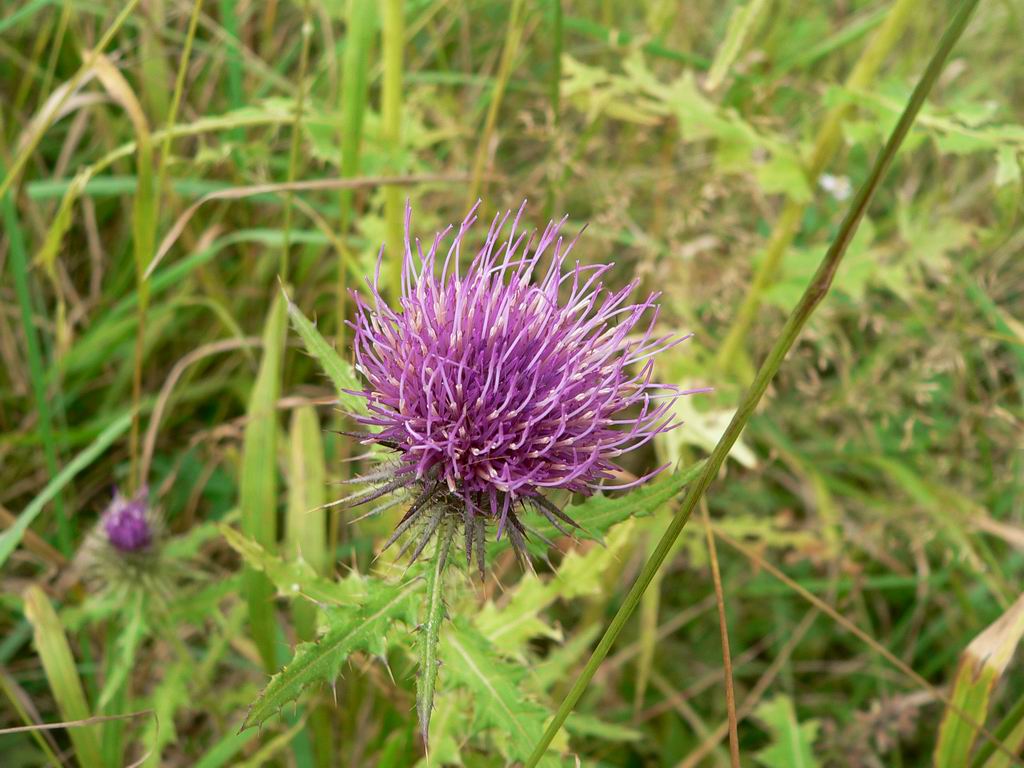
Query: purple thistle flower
[[505, 381], [127, 524]]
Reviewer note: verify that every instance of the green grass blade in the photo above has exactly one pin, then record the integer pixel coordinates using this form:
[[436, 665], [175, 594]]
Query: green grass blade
[[225, 750], [258, 481], [361, 17], [306, 523], [19, 268], [28, 146], [981, 666], [62, 675], [296, 138], [11, 693], [233, 62], [1011, 733], [26, 11]]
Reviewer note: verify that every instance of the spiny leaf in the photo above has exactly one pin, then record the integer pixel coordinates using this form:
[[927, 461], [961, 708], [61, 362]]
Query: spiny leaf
[[791, 739], [348, 631], [448, 728], [599, 512], [595, 727], [471, 661], [295, 577], [430, 631], [340, 373], [510, 627]]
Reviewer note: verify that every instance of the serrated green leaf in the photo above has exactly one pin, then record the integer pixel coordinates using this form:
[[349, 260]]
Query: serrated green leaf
[[511, 626], [792, 741], [341, 374], [471, 661], [295, 577], [599, 512], [448, 729], [347, 631]]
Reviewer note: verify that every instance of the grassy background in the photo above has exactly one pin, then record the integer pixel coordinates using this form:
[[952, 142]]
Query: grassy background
[[710, 148]]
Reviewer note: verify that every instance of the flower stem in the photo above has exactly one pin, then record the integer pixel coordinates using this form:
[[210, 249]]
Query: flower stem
[[430, 629], [812, 296]]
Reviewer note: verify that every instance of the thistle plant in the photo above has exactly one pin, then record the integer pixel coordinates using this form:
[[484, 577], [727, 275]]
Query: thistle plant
[[123, 551], [523, 375], [492, 383]]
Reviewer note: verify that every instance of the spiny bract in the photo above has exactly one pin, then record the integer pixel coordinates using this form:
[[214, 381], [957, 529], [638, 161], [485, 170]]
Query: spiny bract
[[499, 383]]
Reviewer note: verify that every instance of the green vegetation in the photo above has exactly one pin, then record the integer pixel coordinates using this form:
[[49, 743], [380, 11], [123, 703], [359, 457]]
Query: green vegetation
[[187, 193]]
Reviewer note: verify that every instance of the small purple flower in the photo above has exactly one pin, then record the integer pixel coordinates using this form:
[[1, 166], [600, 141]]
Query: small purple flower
[[497, 384], [127, 524]]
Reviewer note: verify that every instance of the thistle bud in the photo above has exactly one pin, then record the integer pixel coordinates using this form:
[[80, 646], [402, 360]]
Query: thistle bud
[[127, 524]]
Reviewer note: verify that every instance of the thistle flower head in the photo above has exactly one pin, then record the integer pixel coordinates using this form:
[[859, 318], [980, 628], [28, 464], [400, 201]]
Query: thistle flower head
[[520, 375], [124, 551], [126, 523]]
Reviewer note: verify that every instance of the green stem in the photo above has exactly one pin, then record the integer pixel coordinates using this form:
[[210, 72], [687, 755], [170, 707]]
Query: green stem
[[812, 296], [825, 146], [431, 629]]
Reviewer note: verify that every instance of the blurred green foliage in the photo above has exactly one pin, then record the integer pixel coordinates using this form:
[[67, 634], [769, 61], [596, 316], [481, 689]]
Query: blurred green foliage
[[883, 474]]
